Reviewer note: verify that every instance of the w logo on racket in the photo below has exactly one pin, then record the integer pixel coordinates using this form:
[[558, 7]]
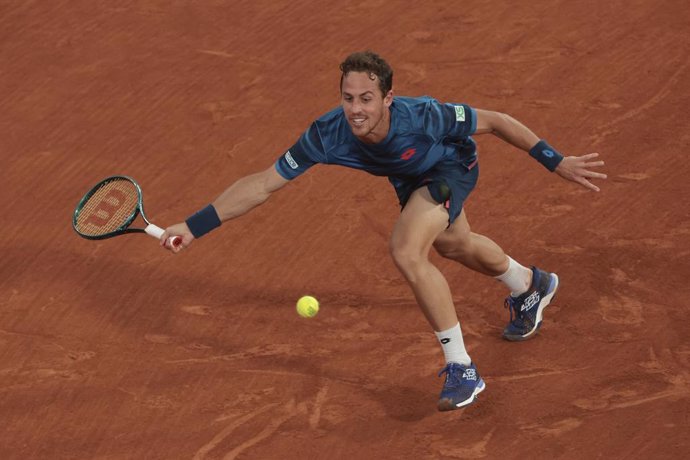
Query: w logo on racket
[[106, 208]]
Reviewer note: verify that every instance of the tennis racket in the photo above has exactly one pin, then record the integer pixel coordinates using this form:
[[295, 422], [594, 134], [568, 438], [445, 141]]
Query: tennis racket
[[110, 208]]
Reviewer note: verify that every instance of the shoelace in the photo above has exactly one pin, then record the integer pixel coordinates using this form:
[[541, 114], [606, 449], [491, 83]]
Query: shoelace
[[452, 372], [510, 305]]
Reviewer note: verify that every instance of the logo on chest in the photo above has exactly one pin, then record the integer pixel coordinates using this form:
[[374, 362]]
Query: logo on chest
[[407, 154]]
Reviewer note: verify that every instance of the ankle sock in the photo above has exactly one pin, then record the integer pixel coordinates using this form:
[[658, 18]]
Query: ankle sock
[[454, 346], [516, 278]]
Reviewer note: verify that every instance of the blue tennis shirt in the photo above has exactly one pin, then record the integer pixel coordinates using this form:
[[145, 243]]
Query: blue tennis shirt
[[423, 133]]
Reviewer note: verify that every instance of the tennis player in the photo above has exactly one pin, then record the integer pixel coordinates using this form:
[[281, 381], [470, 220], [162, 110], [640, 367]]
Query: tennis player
[[425, 149]]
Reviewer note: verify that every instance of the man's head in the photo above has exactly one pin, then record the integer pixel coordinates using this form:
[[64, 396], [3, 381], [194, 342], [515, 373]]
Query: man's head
[[371, 64], [366, 91]]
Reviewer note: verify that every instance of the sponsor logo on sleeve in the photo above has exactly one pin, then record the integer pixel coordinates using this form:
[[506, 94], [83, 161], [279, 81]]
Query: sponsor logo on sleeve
[[291, 161], [459, 113]]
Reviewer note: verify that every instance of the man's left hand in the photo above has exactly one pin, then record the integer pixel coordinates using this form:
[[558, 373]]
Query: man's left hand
[[578, 169]]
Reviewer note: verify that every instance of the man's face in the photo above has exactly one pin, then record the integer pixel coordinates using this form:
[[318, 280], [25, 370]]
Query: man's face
[[365, 107]]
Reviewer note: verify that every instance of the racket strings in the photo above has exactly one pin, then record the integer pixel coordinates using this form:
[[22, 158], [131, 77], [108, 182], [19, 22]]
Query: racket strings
[[111, 207]]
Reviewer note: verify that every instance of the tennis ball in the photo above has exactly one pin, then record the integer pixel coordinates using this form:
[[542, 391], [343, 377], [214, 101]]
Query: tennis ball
[[307, 306]]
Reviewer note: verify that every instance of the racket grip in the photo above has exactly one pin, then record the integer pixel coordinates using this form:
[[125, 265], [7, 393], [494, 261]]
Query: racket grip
[[156, 232]]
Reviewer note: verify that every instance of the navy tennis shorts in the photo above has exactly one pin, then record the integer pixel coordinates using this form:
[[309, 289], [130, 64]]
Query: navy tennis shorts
[[450, 183]]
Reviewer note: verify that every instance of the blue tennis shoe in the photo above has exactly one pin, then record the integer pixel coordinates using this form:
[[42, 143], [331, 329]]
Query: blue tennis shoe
[[461, 387], [526, 310]]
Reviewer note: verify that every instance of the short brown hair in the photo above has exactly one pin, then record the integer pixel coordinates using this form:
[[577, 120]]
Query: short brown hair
[[371, 63]]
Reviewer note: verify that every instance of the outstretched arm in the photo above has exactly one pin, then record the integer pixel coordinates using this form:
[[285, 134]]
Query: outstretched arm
[[248, 193], [573, 168], [238, 199]]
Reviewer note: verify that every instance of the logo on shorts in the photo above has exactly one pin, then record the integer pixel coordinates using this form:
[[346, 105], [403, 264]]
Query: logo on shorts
[[291, 161], [459, 113]]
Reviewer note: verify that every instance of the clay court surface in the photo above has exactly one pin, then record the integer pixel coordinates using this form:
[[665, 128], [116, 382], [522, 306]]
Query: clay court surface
[[119, 350]]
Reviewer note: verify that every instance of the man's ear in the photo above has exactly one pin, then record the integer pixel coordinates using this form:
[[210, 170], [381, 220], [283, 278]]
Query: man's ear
[[388, 100]]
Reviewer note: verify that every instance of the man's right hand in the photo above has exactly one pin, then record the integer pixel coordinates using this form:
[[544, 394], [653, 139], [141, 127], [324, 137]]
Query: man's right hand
[[180, 230]]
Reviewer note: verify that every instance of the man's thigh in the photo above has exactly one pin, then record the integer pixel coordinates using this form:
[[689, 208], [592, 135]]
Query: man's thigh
[[421, 221]]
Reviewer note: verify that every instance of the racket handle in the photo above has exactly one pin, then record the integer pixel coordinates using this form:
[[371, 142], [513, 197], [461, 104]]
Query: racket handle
[[173, 242], [156, 232]]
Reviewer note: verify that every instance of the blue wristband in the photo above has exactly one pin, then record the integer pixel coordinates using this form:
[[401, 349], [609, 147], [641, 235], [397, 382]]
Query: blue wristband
[[546, 155], [203, 221]]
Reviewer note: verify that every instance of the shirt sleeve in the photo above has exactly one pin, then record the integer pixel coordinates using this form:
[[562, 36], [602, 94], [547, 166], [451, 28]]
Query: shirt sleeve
[[450, 120], [306, 152]]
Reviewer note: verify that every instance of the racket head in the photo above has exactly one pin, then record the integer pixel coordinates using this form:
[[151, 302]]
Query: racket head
[[108, 209]]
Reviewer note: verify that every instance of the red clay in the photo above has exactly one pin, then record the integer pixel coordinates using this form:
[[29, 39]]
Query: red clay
[[118, 350]]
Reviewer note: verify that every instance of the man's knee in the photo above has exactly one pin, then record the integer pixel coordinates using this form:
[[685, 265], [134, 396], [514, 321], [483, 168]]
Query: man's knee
[[405, 256]]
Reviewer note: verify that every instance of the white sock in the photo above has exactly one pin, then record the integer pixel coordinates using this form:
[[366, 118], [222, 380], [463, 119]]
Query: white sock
[[454, 346], [517, 278]]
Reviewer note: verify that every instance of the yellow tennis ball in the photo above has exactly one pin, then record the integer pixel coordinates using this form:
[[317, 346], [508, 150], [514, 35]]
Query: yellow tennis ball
[[307, 306]]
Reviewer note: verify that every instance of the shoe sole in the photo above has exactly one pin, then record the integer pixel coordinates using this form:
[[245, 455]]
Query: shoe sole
[[540, 313], [447, 404]]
